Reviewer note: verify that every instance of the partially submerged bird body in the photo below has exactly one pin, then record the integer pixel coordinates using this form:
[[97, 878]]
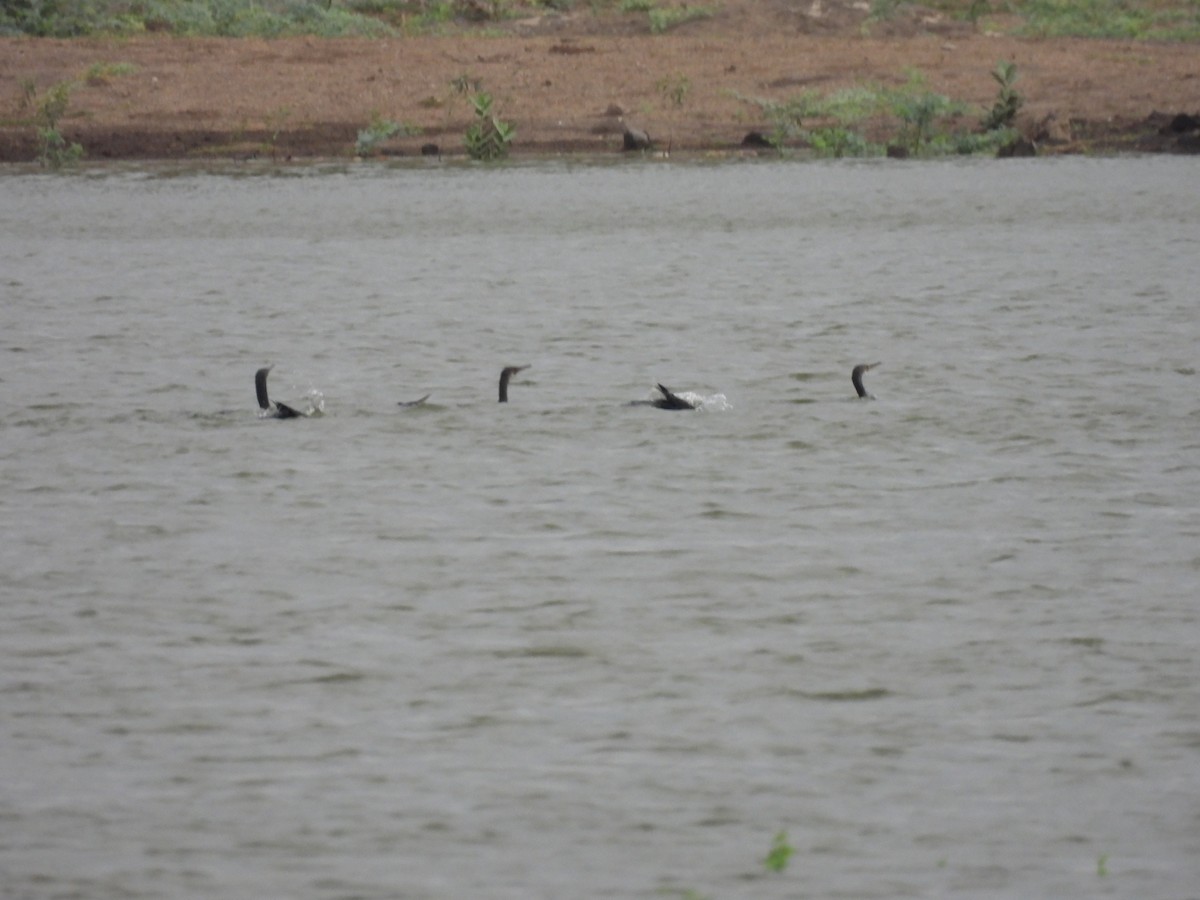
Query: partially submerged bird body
[[509, 372], [274, 410], [419, 402], [669, 400], [856, 379]]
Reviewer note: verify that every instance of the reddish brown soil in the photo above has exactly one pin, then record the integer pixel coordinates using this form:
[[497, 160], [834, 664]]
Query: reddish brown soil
[[569, 82]]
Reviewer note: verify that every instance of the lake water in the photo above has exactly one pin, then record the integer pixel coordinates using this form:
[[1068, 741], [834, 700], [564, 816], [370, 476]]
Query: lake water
[[568, 647]]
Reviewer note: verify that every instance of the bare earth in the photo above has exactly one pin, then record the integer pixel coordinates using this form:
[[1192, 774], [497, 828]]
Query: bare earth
[[570, 82]]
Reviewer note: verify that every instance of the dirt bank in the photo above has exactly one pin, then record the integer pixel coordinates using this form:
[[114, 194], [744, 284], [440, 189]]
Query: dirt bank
[[570, 82]]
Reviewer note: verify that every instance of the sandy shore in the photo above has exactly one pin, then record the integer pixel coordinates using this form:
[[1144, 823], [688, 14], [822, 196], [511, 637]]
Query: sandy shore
[[568, 85]]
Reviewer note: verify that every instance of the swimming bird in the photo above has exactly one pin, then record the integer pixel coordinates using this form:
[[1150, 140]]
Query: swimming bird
[[419, 402], [669, 400], [508, 373], [281, 410], [856, 378]]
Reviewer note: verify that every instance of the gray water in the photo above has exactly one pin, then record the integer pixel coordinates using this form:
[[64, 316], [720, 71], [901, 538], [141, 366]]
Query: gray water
[[568, 647]]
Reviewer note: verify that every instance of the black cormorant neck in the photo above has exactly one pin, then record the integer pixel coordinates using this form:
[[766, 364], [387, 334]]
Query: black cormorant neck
[[282, 410], [508, 373], [856, 377], [260, 387]]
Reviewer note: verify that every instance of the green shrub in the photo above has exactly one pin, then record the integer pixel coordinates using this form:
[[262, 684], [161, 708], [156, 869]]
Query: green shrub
[[223, 18], [918, 113], [54, 151], [847, 108], [837, 141], [924, 121], [488, 139], [1008, 102], [1111, 19]]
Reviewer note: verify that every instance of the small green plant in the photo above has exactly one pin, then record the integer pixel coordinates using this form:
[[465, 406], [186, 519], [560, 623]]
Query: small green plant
[[374, 134], [100, 73], [918, 113], [780, 853], [846, 108], [838, 141], [1008, 102], [379, 131], [489, 137], [663, 19], [54, 103], [466, 84], [28, 93], [674, 89], [425, 17], [977, 10], [482, 10], [786, 118], [884, 10], [918, 109], [966, 143], [54, 151]]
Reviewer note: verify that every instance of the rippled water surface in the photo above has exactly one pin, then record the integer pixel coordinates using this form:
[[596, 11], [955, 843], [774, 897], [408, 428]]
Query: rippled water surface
[[570, 647]]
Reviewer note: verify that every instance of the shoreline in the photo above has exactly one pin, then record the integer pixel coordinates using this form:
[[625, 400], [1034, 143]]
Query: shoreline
[[700, 92]]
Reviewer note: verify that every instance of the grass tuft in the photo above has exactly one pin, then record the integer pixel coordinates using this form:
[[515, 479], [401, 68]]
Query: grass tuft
[[1177, 20], [922, 122]]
